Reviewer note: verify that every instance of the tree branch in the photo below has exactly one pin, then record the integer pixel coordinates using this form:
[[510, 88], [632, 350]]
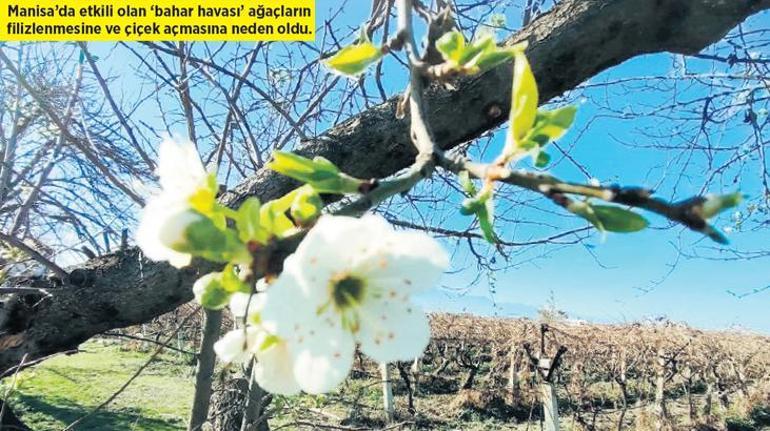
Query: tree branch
[[568, 45]]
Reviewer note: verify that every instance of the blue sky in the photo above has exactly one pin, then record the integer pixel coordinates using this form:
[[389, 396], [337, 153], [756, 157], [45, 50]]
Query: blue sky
[[620, 277], [646, 275]]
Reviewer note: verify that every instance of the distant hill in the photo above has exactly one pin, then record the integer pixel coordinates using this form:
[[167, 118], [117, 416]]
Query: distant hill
[[442, 300]]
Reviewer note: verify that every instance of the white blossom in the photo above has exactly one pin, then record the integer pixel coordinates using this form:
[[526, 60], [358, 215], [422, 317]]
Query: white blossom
[[239, 345], [274, 368], [251, 304], [167, 214], [350, 281]]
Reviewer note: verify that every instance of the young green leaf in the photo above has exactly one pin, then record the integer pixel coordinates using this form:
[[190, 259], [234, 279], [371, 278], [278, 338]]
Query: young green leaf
[[585, 210], [609, 218], [231, 283], [715, 204], [477, 56], [247, 222], [490, 59], [273, 215], [467, 183], [475, 49], [552, 125], [319, 172], [481, 205], [525, 97], [353, 60], [451, 46], [205, 239], [486, 216], [616, 219], [210, 293], [542, 159], [306, 207]]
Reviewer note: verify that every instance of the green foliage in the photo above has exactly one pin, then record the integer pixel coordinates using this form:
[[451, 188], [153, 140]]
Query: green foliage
[[274, 215], [711, 206], [549, 126], [715, 204], [248, 223], [477, 56], [524, 99], [616, 219], [609, 218], [319, 172], [210, 293], [353, 60], [204, 238], [306, 206], [481, 205]]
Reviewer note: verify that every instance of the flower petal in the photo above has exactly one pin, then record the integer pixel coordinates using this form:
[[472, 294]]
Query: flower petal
[[323, 361], [337, 243], [393, 331], [241, 302], [155, 217], [239, 345], [274, 370], [180, 170], [288, 308], [406, 262]]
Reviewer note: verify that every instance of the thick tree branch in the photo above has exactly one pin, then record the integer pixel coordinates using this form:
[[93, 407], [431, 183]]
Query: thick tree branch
[[572, 43]]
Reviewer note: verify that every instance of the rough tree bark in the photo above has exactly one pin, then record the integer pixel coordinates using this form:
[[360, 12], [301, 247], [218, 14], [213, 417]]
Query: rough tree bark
[[571, 43]]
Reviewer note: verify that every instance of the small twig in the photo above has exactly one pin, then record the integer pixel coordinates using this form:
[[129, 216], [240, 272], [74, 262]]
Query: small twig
[[14, 290], [34, 254], [682, 212], [146, 340]]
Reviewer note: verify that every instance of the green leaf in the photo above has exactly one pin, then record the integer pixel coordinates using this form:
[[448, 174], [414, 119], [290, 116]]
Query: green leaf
[[486, 216], [585, 210], [306, 207], [490, 59], [480, 55], [715, 204], [353, 60], [247, 222], [479, 46], [231, 282], [616, 219], [319, 172], [525, 97], [553, 124], [471, 206], [210, 293], [467, 183], [609, 218], [542, 159], [451, 46], [483, 207], [273, 218], [205, 239]]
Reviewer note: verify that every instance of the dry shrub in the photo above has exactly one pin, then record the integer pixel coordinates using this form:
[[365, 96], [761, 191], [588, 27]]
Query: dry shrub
[[487, 404]]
